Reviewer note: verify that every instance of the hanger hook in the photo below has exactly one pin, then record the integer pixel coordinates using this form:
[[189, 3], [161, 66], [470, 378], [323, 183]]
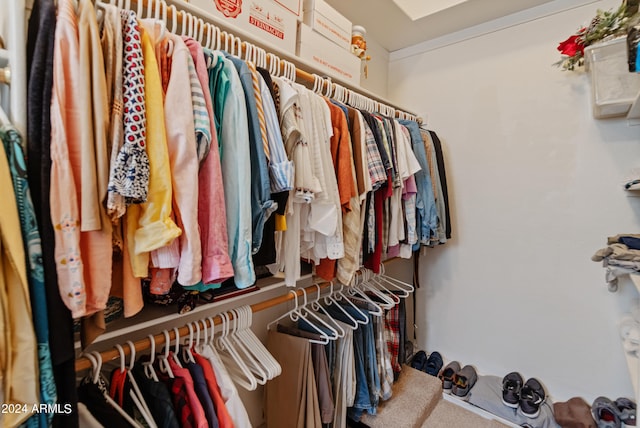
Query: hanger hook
[[152, 340], [122, 357], [177, 346], [132, 352], [167, 343]]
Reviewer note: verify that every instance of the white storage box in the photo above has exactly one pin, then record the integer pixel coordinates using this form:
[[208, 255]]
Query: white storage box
[[321, 52], [328, 22], [293, 6], [613, 87], [265, 19]]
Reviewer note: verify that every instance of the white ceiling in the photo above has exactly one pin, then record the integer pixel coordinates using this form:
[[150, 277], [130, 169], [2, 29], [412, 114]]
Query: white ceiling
[[398, 24]]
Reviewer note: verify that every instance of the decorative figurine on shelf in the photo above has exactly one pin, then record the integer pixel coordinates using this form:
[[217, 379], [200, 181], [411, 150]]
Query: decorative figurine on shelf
[[359, 46]]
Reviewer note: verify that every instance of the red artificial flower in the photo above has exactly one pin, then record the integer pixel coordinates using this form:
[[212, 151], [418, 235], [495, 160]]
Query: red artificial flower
[[571, 46]]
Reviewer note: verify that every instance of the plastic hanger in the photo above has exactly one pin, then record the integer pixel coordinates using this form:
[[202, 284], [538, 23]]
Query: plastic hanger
[[149, 370], [388, 300], [341, 296], [174, 18], [316, 306], [263, 356], [330, 300], [176, 349], [134, 392], [229, 355], [399, 283], [357, 294], [257, 370], [96, 363], [187, 355], [163, 360], [308, 312], [294, 315]]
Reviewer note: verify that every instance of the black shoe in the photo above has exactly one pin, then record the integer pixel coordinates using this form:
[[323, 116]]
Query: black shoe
[[532, 396], [434, 364], [511, 386], [419, 360]]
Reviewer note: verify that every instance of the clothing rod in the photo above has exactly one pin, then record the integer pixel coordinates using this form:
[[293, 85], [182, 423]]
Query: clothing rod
[[188, 15], [83, 363]]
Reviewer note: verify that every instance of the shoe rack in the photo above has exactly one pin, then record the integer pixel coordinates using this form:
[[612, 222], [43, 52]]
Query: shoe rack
[[630, 336]]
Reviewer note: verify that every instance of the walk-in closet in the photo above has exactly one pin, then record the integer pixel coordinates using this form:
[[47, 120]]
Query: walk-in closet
[[319, 213]]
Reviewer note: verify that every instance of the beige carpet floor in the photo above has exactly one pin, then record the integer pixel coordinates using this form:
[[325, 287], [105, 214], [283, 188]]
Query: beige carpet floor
[[417, 403]]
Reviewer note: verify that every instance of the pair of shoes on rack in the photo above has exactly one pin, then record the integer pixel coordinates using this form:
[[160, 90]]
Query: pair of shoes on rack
[[458, 381], [612, 414], [527, 396], [430, 365]]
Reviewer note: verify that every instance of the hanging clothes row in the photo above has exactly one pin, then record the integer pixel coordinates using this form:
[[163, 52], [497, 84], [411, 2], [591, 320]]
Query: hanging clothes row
[[339, 354], [189, 383], [199, 151]]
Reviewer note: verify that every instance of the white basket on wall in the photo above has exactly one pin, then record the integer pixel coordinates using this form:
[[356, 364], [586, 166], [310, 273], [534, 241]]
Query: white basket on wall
[[613, 87]]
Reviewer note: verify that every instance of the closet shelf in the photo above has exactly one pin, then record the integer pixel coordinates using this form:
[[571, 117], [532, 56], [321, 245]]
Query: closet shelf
[[158, 317], [300, 63]]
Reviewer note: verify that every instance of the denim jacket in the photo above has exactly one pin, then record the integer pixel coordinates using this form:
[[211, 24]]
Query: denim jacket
[[427, 213]]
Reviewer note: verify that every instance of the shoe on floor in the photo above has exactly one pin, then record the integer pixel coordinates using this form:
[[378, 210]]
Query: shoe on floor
[[606, 413], [446, 376], [626, 411], [511, 386], [419, 360], [434, 364], [463, 381], [532, 396]]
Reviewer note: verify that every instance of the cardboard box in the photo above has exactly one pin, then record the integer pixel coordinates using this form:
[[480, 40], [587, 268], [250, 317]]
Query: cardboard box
[[337, 63], [293, 6], [613, 87], [265, 19], [327, 21]]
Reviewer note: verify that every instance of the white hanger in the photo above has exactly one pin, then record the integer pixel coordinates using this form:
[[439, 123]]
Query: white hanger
[[294, 315], [248, 52], [258, 371], [139, 8], [330, 300], [209, 35], [96, 363], [174, 18], [306, 311], [316, 306], [342, 296], [164, 359], [134, 392], [149, 371], [176, 349], [388, 297], [184, 24], [187, 355], [402, 286], [239, 371], [357, 294], [263, 356]]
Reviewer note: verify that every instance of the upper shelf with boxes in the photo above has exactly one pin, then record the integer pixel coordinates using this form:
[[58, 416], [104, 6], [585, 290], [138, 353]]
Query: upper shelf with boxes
[[308, 29]]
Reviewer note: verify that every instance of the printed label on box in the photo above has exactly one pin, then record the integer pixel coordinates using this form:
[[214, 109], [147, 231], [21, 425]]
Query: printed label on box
[[272, 24], [333, 67], [229, 8]]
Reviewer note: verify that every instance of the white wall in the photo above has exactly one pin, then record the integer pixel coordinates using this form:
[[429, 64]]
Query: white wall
[[377, 79], [535, 188]]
